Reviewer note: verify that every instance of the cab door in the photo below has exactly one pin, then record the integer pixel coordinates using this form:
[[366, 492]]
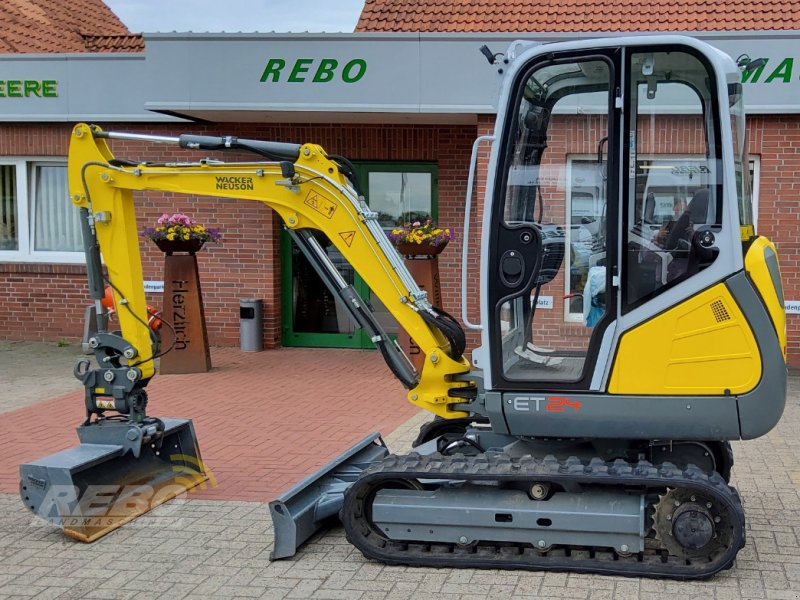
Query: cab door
[[552, 259]]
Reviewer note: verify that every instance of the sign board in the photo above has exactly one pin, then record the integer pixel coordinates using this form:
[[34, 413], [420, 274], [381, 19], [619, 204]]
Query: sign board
[[75, 87], [792, 307], [545, 302], [342, 77], [153, 287], [433, 73]]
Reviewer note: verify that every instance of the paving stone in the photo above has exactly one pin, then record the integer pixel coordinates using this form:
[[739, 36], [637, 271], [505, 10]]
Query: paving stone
[[603, 595], [211, 547], [563, 592], [273, 594], [304, 588]]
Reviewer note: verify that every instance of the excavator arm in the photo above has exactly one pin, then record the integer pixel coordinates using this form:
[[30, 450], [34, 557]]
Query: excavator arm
[[311, 193], [128, 461]]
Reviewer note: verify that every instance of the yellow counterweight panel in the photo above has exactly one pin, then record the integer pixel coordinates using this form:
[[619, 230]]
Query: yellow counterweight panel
[[756, 266], [701, 347]]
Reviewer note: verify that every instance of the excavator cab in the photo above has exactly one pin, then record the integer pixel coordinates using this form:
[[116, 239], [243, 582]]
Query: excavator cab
[[628, 158]]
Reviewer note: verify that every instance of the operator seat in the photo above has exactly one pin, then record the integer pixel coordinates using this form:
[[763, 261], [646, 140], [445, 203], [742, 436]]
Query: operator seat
[[679, 241], [649, 208]]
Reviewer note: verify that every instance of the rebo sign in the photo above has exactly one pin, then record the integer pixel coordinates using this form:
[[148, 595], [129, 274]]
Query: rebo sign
[[315, 70]]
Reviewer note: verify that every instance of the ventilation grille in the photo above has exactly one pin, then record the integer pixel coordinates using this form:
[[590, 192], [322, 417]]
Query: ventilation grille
[[720, 312]]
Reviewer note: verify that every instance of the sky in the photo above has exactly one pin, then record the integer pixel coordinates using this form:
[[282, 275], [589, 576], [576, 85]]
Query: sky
[[150, 16]]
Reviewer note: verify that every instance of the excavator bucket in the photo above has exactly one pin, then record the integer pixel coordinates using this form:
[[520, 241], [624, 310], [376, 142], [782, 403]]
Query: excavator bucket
[[93, 488], [315, 502]]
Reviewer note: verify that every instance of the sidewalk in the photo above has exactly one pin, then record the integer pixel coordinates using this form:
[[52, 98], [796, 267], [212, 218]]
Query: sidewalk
[[264, 420]]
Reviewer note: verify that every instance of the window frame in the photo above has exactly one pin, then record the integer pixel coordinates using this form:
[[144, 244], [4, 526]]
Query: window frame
[[26, 211], [755, 182], [358, 339], [365, 167]]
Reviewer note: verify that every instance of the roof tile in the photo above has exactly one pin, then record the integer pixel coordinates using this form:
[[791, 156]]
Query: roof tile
[[578, 15], [56, 26]]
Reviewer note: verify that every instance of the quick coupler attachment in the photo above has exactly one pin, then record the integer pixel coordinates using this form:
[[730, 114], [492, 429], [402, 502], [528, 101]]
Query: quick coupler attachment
[[117, 473], [314, 503]]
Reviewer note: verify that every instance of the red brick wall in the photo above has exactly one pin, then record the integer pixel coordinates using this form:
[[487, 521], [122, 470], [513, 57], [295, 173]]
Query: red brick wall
[[39, 301], [247, 263], [776, 140], [42, 302], [485, 127]]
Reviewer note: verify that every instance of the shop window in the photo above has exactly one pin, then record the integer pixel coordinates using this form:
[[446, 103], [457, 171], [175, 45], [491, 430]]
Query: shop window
[[399, 196], [37, 221], [8, 208], [399, 192]]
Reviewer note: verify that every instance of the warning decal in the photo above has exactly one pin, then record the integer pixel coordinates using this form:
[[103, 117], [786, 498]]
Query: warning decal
[[320, 204], [348, 236]]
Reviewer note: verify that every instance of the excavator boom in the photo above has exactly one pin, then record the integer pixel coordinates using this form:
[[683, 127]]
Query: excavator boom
[[121, 445]]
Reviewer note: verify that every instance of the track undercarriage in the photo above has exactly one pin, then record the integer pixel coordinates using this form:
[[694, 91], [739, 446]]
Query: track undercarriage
[[468, 500]]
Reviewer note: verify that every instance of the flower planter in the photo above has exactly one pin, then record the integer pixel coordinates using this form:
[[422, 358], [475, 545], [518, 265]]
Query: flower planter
[[173, 246], [420, 249]]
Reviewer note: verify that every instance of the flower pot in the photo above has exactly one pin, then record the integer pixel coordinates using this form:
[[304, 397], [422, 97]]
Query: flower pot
[[173, 246], [420, 249]]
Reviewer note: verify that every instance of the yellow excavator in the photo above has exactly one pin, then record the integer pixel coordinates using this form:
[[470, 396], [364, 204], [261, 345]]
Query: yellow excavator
[[631, 325]]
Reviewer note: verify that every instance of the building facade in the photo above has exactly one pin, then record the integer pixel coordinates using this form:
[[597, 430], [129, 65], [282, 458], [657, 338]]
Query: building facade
[[404, 107]]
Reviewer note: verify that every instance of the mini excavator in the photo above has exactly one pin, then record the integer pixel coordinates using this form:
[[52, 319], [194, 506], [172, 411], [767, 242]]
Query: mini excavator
[[631, 325]]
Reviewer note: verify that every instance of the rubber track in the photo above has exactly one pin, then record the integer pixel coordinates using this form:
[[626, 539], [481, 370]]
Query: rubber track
[[619, 474]]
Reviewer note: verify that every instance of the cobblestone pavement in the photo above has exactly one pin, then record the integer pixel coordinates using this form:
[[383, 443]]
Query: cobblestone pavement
[[263, 419], [31, 372], [195, 548]]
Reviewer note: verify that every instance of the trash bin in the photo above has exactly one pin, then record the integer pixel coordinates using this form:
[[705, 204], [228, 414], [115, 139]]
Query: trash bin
[[251, 321]]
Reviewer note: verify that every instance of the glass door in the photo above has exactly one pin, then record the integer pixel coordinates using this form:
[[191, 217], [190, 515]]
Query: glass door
[[550, 261], [400, 193], [311, 315]]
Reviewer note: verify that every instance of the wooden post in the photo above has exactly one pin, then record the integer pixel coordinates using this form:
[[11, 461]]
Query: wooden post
[[425, 271], [183, 309]]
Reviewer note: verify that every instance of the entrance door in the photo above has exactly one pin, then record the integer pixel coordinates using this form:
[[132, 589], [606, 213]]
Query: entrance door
[[400, 193]]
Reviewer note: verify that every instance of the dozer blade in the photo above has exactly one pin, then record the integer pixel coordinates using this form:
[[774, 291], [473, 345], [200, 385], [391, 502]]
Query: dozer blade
[[315, 502], [93, 488]]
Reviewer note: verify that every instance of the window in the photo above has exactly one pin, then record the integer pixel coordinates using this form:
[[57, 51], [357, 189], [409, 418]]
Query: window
[[670, 196], [671, 178], [399, 192], [38, 223], [8, 208], [586, 209], [552, 231]]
